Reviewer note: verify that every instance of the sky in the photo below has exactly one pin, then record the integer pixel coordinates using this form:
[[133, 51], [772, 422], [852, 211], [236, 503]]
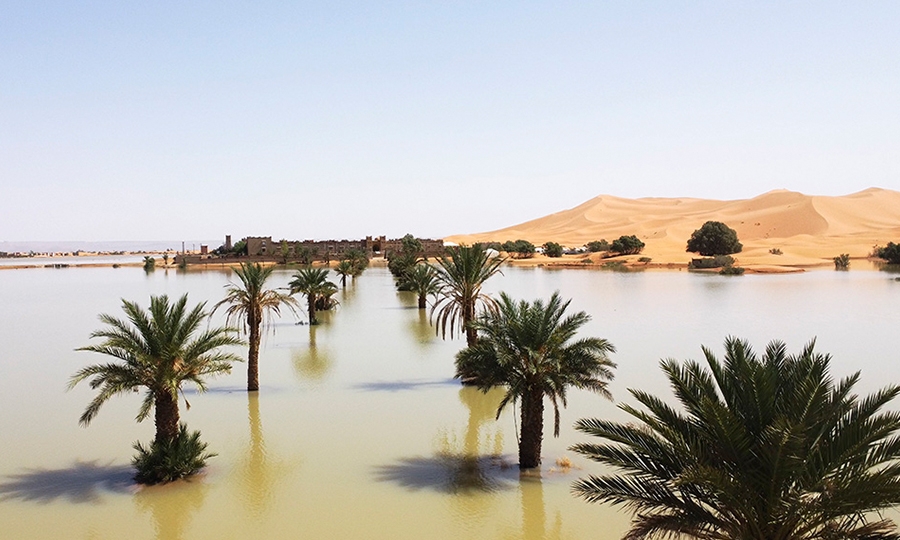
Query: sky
[[192, 120]]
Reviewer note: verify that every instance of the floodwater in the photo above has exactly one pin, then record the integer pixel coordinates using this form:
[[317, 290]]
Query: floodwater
[[358, 430]]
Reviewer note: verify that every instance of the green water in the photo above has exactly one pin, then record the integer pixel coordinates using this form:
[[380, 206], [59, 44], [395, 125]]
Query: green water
[[358, 430]]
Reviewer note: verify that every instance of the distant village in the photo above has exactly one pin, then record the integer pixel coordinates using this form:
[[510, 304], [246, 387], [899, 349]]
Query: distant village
[[264, 248]]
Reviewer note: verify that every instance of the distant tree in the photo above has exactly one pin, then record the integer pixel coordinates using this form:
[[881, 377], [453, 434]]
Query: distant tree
[[714, 238], [552, 249], [422, 280], [411, 250], [312, 282], [285, 251], [344, 268], [890, 253], [305, 256], [597, 245], [627, 245], [239, 248], [519, 249], [359, 261], [165, 258], [496, 246], [149, 263], [842, 262]]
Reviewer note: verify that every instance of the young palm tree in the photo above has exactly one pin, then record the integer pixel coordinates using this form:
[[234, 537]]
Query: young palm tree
[[460, 277], [526, 348], [761, 448], [158, 350], [344, 268], [313, 282], [252, 304], [422, 280]]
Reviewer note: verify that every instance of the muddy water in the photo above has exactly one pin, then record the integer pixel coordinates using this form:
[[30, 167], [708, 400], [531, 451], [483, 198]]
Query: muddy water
[[358, 430]]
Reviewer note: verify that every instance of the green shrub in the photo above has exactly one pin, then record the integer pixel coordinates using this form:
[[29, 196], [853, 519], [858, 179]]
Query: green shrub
[[645, 259], [712, 262], [520, 249], [627, 245], [149, 263], [714, 238], [167, 461], [890, 253], [731, 271], [597, 245], [552, 249], [842, 262]]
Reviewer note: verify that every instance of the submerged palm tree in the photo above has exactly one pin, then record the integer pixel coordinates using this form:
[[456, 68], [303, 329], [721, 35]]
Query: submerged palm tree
[[251, 303], [422, 280], [344, 268], [762, 448], [313, 282], [527, 348], [461, 276], [158, 351]]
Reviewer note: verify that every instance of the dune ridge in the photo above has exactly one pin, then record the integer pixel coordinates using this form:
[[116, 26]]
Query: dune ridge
[[808, 229]]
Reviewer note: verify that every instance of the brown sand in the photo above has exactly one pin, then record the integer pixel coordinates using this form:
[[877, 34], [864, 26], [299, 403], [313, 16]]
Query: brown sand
[[809, 230]]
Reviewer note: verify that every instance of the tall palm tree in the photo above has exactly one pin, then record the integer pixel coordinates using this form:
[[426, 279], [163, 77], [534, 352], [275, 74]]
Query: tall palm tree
[[527, 348], [461, 276], [252, 304], [159, 351], [313, 282], [764, 447], [422, 280]]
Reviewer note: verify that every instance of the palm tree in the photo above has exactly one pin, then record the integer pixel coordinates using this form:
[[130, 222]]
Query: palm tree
[[344, 268], [764, 447], [460, 277], [251, 303], [159, 351], [422, 280], [313, 282], [526, 348]]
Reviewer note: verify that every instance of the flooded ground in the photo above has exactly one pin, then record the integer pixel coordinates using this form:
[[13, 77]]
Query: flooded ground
[[358, 430]]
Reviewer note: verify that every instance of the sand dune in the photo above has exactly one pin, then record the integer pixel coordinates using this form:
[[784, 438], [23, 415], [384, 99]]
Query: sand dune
[[809, 230]]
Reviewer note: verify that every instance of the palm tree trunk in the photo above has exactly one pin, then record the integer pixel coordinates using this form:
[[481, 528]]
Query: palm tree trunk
[[532, 429], [166, 416], [422, 301], [311, 306], [253, 356], [468, 317]]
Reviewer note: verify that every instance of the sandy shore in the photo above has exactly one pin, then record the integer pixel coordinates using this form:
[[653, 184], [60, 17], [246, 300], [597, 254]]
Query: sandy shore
[[809, 231]]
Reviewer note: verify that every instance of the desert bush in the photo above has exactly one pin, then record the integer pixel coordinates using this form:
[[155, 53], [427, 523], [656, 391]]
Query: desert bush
[[645, 259], [597, 245], [627, 245], [166, 461], [714, 238], [890, 253], [520, 249], [552, 249], [776, 251], [731, 271], [718, 261], [842, 262]]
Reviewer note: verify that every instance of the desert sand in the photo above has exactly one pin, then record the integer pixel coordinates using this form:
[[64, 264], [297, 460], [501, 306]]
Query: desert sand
[[809, 230]]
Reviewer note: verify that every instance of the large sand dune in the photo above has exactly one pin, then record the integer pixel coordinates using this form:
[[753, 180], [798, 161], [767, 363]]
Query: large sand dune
[[809, 230]]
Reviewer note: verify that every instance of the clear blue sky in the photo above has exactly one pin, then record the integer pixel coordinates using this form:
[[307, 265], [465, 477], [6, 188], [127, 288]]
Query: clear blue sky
[[157, 120]]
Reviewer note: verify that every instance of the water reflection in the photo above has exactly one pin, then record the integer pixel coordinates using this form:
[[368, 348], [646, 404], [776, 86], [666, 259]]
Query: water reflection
[[83, 482], [258, 472], [310, 363], [534, 511], [420, 328], [171, 506]]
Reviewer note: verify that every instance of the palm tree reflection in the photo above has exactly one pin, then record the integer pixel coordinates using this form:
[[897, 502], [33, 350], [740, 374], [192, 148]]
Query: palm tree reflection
[[171, 506], [311, 364]]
